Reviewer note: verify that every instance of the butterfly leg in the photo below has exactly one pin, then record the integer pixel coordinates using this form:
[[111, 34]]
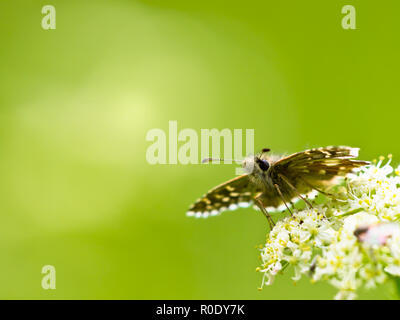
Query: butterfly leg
[[283, 199], [295, 190], [259, 204], [321, 191]]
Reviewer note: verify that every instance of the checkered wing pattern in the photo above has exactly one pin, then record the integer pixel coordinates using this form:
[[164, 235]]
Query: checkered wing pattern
[[317, 166], [235, 193]]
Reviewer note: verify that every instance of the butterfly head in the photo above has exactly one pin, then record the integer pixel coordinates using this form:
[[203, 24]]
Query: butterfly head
[[256, 164]]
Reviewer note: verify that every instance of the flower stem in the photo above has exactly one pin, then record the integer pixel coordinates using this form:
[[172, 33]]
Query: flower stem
[[349, 213]]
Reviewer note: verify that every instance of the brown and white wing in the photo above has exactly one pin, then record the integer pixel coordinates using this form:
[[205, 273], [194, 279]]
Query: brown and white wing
[[317, 167], [235, 193]]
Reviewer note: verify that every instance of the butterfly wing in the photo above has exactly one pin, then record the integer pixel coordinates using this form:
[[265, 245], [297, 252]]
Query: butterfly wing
[[316, 167], [305, 171], [238, 192]]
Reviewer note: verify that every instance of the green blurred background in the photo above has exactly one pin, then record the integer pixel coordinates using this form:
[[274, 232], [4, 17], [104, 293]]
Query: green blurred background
[[76, 103]]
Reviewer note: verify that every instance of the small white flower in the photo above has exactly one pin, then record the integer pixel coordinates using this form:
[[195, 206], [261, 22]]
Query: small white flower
[[350, 243], [394, 270]]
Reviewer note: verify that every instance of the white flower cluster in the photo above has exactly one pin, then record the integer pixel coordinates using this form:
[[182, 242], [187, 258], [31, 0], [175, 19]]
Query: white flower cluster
[[350, 242]]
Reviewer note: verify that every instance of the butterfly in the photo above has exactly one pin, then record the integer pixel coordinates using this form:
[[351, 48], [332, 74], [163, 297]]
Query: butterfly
[[271, 181]]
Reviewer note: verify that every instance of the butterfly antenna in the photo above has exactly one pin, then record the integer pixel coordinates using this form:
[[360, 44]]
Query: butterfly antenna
[[214, 159]]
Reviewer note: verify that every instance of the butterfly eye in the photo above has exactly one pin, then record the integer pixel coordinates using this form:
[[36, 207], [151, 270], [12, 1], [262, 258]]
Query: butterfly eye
[[264, 165]]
